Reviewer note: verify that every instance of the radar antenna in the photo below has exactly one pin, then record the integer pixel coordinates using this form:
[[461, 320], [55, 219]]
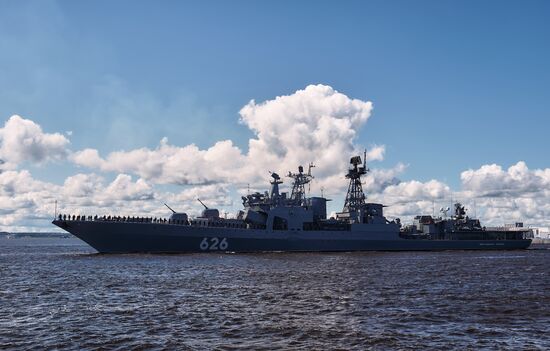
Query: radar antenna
[[460, 211], [276, 178]]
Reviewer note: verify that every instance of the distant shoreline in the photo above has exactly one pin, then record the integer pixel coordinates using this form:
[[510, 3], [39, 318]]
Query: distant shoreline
[[35, 235], [542, 241]]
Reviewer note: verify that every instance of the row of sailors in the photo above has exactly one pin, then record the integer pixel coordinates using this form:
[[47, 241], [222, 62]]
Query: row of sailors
[[120, 219]]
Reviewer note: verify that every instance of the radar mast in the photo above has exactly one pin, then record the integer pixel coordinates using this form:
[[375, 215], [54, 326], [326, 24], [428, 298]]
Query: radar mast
[[298, 195], [355, 198]]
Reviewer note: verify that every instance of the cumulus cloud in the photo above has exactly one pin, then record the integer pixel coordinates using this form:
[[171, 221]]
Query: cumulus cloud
[[23, 140], [411, 198], [492, 180], [28, 204], [22, 198], [82, 185], [515, 194], [414, 189], [492, 193], [169, 164], [377, 180], [314, 124], [123, 188]]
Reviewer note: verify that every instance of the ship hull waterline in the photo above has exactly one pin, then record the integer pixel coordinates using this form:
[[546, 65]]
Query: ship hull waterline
[[115, 237]]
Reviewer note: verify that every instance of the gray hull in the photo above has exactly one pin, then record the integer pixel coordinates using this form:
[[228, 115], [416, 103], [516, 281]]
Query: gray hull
[[123, 237]]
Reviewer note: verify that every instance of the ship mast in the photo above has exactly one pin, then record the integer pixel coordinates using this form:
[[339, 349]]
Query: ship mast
[[355, 198], [298, 195], [274, 192]]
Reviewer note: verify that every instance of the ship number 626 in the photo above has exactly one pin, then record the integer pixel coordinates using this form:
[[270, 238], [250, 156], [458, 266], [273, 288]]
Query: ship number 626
[[213, 244]]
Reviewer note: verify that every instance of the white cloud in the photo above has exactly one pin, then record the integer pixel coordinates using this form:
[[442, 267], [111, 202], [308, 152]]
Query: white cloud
[[514, 194], [24, 198], [27, 204], [89, 158], [494, 194], [414, 189], [82, 185], [168, 164], [23, 140], [492, 180], [379, 179], [123, 188], [315, 124], [376, 153]]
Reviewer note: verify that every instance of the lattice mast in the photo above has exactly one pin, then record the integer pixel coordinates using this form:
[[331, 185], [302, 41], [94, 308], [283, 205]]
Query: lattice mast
[[298, 195], [355, 198]]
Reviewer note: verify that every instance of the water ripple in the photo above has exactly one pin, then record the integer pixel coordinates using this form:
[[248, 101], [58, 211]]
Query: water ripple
[[58, 294]]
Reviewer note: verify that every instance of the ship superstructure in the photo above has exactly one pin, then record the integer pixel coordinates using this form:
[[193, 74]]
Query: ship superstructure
[[277, 221], [460, 227]]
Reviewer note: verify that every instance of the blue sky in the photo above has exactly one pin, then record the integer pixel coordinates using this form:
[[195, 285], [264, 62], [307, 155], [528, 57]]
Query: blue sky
[[455, 84]]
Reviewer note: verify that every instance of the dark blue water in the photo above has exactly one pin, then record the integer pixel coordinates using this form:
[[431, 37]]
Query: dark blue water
[[58, 294]]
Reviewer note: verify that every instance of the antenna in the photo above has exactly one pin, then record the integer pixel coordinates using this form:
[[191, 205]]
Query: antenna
[[170, 208], [199, 200], [311, 165], [55, 210], [365, 159]]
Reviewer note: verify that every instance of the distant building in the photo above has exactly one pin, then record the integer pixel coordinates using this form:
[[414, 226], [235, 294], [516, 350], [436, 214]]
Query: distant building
[[541, 232]]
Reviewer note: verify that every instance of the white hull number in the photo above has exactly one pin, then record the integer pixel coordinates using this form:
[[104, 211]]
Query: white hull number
[[213, 244]]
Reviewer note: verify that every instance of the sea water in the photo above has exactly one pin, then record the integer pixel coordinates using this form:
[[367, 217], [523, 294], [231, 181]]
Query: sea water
[[60, 294]]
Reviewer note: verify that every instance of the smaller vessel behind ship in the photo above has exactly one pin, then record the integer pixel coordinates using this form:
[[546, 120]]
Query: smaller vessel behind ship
[[279, 221]]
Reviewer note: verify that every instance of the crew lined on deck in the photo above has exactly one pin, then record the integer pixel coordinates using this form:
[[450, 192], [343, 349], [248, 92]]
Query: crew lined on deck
[[65, 217]]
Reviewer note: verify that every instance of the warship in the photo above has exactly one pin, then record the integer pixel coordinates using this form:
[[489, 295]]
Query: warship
[[279, 221]]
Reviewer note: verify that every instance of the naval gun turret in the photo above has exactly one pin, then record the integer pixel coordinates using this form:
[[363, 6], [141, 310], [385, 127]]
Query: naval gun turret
[[177, 217], [210, 213]]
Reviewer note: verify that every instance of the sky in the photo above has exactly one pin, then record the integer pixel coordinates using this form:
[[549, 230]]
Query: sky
[[118, 107]]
